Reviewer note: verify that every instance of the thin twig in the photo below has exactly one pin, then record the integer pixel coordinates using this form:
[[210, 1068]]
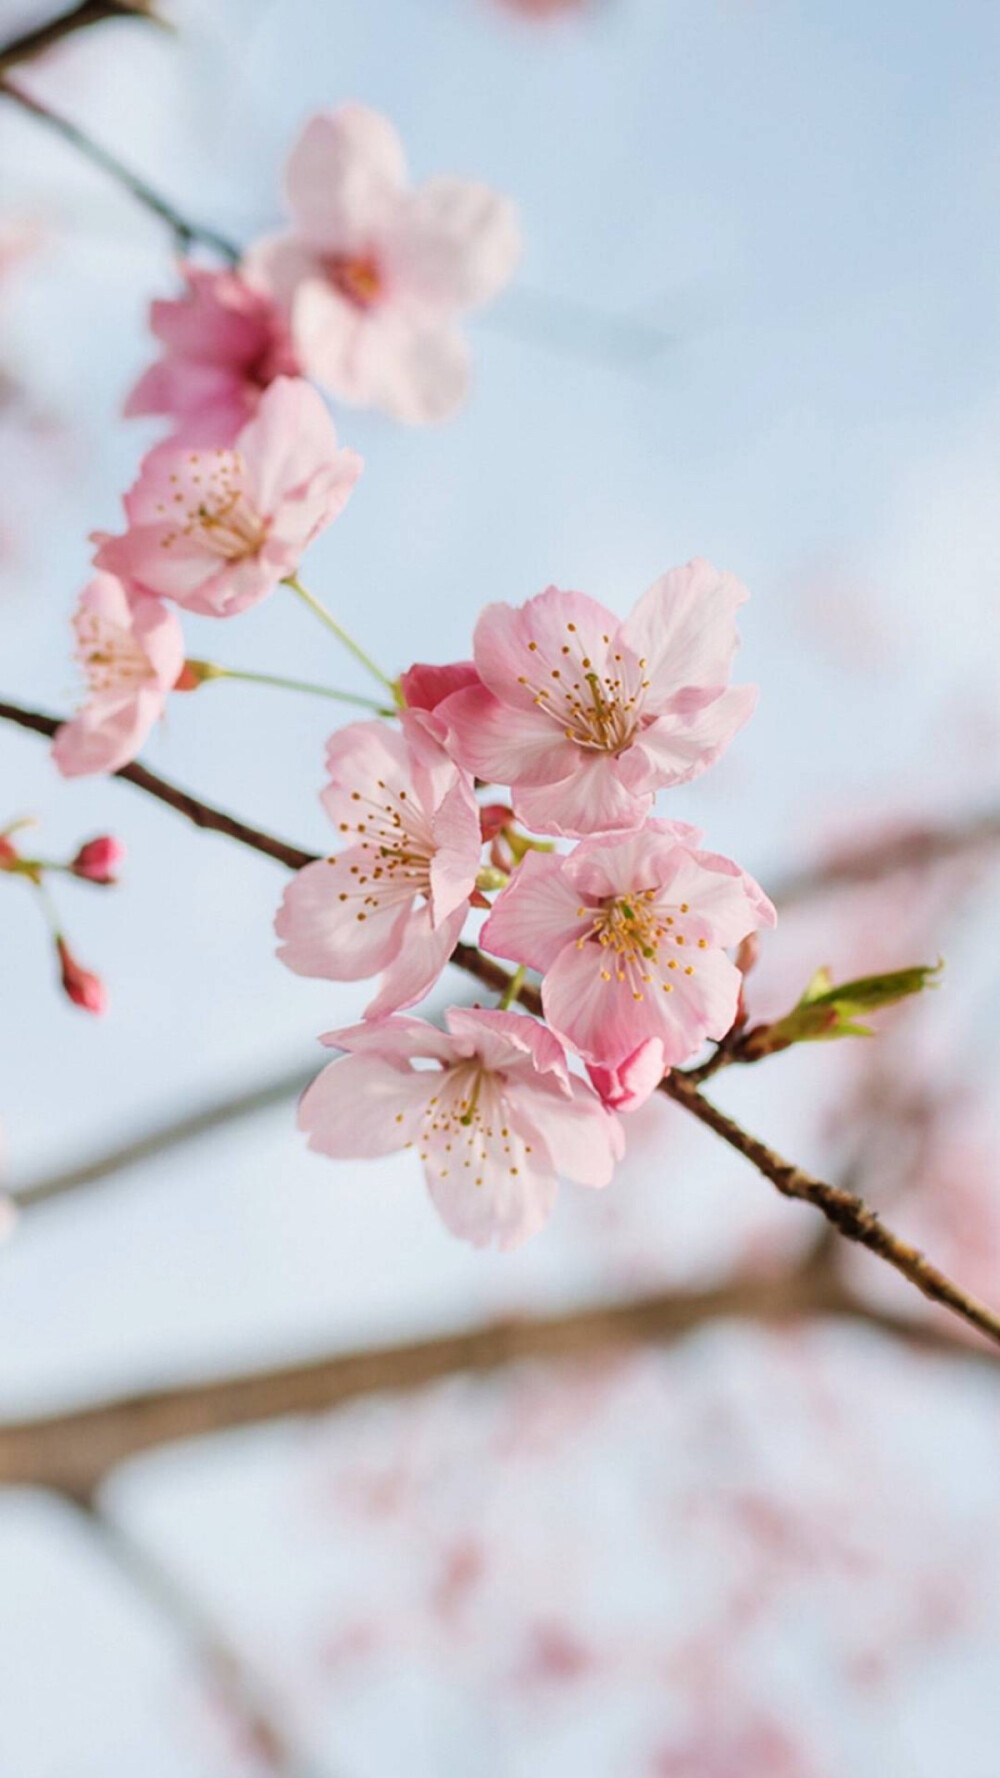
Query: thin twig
[[183, 230], [169, 1134], [226, 1671], [89, 12], [849, 1214], [846, 1212], [916, 849]]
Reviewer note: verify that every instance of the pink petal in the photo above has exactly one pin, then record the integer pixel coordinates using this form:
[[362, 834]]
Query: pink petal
[[290, 440], [397, 1040], [329, 927], [503, 745], [368, 764], [536, 915], [510, 1041], [679, 748], [107, 734], [685, 628], [345, 176], [538, 650], [424, 685], [455, 243], [423, 953], [363, 1107], [583, 1138], [633, 1081], [508, 1201], [422, 371], [594, 798], [458, 846]]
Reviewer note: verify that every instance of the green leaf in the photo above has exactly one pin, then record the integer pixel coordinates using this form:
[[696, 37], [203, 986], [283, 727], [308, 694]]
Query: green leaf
[[826, 1011]]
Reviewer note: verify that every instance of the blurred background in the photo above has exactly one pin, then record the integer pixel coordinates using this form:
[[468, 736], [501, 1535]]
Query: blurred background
[[758, 319]]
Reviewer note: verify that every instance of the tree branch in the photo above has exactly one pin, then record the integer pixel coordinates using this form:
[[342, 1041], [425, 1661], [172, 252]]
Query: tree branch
[[225, 1670], [846, 1212], [89, 12]]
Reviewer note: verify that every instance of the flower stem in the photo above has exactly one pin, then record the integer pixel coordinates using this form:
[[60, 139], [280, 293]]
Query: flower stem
[[513, 988], [331, 623], [210, 670]]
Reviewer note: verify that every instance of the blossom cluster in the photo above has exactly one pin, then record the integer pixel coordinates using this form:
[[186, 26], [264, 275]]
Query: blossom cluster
[[583, 719], [579, 718]]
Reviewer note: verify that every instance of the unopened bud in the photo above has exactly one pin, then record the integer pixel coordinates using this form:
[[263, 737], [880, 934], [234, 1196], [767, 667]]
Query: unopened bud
[[98, 860], [80, 985], [195, 673]]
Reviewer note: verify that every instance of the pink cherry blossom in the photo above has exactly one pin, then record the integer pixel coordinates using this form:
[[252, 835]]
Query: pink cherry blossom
[[586, 717], [131, 650], [97, 861], [495, 1122], [80, 985], [223, 344], [630, 935], [374, 273], [217, 530], [395, 899], [634, 1080], [424, 686]]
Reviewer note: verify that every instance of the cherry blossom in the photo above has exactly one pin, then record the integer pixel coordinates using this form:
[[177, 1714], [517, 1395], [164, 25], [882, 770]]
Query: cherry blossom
[[395, 899], [217, 530], [80, 985], [374, 273], [424, 686], [97, 861], [131, 650], [494, 1123], [586, 717], [223, 344], [630, 935]]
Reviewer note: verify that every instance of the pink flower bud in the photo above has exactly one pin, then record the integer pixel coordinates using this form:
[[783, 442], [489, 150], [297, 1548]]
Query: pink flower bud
[[98, 860], [493, 818], [8, 855], [631, 1083], [82, 987]]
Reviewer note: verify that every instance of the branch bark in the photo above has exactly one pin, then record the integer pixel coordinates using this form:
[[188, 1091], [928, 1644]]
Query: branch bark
[[35, 42], [73, 1452], [847, 1213]]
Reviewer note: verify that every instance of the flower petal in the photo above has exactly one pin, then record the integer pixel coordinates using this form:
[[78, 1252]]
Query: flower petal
[[363, 1107], [680, 748], [684, 626], [537, 915], [332, 926], [345, 176], [455, 243], [423, 952]]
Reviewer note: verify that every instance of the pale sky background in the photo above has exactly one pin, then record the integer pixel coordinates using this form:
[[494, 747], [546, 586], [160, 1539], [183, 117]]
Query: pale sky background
[[803, 198]]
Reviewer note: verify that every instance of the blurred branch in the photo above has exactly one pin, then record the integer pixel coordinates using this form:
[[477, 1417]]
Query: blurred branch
[[89, 12], [225, 1671], [73, 1452], [162, 1137], [916, 849], [184, 231], [843, 1209]]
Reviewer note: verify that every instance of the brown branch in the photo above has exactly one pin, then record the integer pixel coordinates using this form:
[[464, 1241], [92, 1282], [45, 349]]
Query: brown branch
[[191, 807], [72, 1452], [162, 1137], [916, 849], [224, 1669], [848, 1213], [89, 12]]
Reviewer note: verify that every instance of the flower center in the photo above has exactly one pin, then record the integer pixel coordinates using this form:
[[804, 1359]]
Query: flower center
[[599, 711], [465, 1129], [216, 509], [628, 933], [357, 276], [109, 655], [394, 834]]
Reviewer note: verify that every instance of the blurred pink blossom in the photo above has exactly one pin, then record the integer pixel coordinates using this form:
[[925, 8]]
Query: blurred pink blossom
[[131, 650], [223, 344], [374, 273]]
